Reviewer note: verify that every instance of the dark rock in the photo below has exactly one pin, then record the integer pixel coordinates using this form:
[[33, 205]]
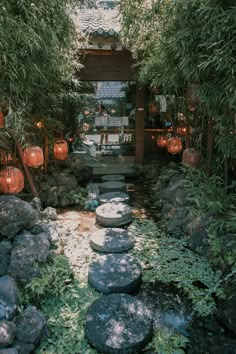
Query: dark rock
[[111, 240], [7, 311], [30, 326], [49, 228], [8, 290], [49, 213], [5, 250], [16, 215], [113, 215], [9, 351], [177, 219], [115, 273], [27, 250], [51, 197], [66, 180], [226, 313], [36, 204], [9, 295], [118, 324], [198, 242], [7, 333]]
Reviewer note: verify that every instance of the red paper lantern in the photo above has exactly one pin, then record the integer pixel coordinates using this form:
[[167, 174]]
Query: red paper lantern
[[33, 156], [174, 145], [61, 150], [11, 180], [2, 120], [5, 157], [162, 141], [182, 131], [191, 157]]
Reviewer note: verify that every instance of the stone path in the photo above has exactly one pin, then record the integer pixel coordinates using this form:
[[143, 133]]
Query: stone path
[[116, 323]]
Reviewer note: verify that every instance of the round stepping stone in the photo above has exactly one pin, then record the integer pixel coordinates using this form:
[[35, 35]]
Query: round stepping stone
[[107, 187], [113, 197], [113, 214], [115, 273], [118, 324], [110, 178], [111, 240]]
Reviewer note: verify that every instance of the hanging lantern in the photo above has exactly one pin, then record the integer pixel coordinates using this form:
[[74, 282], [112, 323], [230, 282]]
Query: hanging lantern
[[191, 157], [5, 157], [162, 141], [2, 120], [33, 156], [61, 150], [11, 180], [153, 107], [182, 130], [174, 145]]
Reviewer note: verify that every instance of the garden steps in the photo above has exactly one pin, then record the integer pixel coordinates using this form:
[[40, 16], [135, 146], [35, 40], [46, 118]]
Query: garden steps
[[111, 240], [116, 323], [112, 186], [113, 197], [113, 214]]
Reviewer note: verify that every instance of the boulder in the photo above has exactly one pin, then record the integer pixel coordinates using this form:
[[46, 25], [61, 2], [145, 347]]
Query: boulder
[[8, 290], [9, 351], [9, 295], [226, 313], [30, 327], [16, 215], [28, 250], [36, 204], [5, 251], [64, 179], [7, 333], [49, 213]]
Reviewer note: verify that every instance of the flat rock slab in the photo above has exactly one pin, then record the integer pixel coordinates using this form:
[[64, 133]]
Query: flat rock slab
[[118, 324], [114, 214], [115, 273], [110, 178], [113, 186], [111, 240], [113, 197]]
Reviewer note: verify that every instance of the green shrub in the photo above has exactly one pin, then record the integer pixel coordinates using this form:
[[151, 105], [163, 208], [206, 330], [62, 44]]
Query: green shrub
[[168, 260]]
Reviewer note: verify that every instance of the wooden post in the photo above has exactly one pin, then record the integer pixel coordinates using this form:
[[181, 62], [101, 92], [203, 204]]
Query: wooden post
[[27, 171], [46, 155], [140, 114], [210, 140]]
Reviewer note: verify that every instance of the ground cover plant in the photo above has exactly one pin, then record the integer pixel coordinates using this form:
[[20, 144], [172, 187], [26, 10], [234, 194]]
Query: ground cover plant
[[168, 260]]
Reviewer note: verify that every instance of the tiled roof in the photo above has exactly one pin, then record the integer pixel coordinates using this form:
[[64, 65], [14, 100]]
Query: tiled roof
[[103, 22]]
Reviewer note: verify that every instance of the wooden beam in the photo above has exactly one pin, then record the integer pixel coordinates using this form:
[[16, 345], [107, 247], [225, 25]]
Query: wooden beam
[[140, 115], [46, 155]]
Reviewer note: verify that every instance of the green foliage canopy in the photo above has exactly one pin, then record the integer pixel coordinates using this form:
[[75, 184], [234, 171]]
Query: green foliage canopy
[[188, 41], [37, 57]]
